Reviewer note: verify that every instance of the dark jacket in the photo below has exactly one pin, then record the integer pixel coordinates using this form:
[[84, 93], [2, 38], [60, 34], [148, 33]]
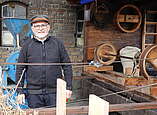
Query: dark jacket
[[42, 78]]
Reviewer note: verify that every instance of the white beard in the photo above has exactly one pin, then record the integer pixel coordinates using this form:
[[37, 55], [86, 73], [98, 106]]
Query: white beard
[[41, 35]]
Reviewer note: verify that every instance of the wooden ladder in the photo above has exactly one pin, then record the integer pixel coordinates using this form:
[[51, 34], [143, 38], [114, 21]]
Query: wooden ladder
[[145, 31]]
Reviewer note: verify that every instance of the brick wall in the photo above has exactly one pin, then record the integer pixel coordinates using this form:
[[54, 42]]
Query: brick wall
[[62, 19]]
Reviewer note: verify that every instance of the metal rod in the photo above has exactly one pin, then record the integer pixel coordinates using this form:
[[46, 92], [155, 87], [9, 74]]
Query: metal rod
[[119, 56]]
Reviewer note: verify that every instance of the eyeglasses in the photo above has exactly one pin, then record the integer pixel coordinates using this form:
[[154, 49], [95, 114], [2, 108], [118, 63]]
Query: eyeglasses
[[43, 26]]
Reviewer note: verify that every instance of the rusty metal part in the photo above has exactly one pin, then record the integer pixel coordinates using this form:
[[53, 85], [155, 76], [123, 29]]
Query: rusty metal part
[[103, 54], [129, 18], [148, 57]]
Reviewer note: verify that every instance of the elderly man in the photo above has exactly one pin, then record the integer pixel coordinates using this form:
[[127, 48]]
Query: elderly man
[[41, 79]]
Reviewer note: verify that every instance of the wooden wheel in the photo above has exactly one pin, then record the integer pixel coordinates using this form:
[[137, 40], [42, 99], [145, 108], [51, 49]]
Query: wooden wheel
[[129, 18], [100, 15], [106, 54], [148, 61]]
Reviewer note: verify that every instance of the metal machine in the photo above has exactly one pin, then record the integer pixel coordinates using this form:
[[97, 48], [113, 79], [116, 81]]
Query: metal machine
[[16, 27], [106, 54]]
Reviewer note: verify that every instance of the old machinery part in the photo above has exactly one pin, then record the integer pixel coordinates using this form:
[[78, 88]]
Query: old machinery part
[[148, 61], [106, 54], [100, 15], [129, 18], [10, 70], [9, 78], [129, 65]]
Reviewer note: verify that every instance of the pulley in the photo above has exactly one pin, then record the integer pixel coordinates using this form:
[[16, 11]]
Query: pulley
[[106, 54]]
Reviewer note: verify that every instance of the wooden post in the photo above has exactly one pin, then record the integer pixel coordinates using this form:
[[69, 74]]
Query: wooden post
[[61, 97], [98, 106]]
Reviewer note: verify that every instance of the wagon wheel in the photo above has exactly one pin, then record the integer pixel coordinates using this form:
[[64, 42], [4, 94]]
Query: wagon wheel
[[129, 18], [106, 54], [148, 61], [100, 15]]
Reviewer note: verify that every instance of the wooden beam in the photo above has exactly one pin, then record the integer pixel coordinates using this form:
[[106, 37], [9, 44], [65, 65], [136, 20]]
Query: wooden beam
[[108, 78], [94, 68], [84, 109], [61, 97], [116, 74], [133, 106], [119, 82], [98, 106]]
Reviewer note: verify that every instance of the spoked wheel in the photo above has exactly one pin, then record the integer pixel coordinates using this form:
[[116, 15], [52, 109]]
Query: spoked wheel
[[106, 54], [148, 62], [129, 18]]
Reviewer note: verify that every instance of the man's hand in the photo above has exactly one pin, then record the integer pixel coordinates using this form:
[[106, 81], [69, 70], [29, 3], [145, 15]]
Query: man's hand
[[68, 93], [21, 99]]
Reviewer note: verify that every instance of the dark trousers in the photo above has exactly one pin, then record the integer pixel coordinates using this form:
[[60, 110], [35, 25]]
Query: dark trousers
[[41, 100]]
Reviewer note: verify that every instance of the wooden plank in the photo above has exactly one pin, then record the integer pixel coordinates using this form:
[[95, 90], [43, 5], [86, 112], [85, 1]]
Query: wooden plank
[[148, 44], [61, 97], [134, 106], [101, 68], [120, 82], [116, 74], [144, 30], [121, 18], [151, 34], [136, 81], [132, 18], [128, 18], [84, 109], [108, 78], [151, 22], [128, 82], [98, 106]]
